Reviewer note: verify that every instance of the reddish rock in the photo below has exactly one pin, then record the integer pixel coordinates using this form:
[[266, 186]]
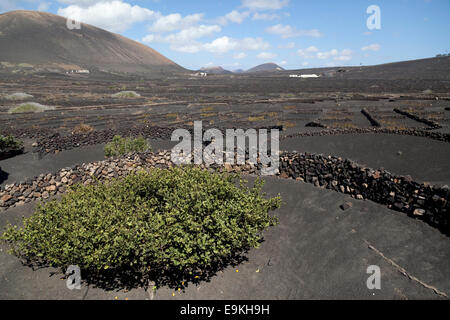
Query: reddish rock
[[6, 197], [284, 175], [346, 205], [51, 188], [377, 175]]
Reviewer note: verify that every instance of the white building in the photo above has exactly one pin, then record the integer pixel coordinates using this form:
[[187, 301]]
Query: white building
[[82, 71], [303, 76], [200, 74], [309, 76]]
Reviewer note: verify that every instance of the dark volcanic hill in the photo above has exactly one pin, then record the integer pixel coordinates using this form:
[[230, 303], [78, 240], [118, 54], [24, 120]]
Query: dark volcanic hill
[[43, 40], [437, 68], [215, 70], [266, 67]]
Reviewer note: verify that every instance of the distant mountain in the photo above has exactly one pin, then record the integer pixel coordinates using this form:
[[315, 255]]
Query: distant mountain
[[239, 71], [32, 39], [266, 67], [215, 70]]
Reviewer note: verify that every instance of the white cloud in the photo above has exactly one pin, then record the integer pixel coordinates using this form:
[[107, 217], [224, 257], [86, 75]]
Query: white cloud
[[240, 55], [192, 33], [287, 31], [82, 3], [175, 21], [220, 45], [189, 31], [289, 45], [346, 52], [306, 63], [307, 53], [7, 4], [265, 16], [253, 44], [234, 16], [344, 55], [283, 63], [184, 40], [372, 47], [327, 54], [43, 6], [342, 58], [115, 16], [187, 48], [266, 55], [264, 4], [149, 38], [313, 52]]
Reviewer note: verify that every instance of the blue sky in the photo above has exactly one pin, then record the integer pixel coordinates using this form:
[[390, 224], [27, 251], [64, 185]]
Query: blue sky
[[239, 34]]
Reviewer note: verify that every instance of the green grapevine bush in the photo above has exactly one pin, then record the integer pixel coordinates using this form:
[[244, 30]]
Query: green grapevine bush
[[120, 146], [180, 220], [10, 146]]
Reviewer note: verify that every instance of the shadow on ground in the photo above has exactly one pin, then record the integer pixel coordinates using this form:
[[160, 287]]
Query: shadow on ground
[[128, 279], [116, 279], [3, 176]]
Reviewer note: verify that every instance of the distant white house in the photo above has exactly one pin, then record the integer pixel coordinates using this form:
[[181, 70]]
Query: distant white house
[[82, 71], [309, 76], [303, 76], [199, 74]]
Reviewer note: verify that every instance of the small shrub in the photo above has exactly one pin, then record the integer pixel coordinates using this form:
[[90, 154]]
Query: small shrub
[[7, 64], [171, 223], [343, 125], [172, 115], [270, 114], [25, 65], [207, 115], [126, 94], [83, 129], [10, 146], [255, 118], [120, 146], [19, 96], [30, 107], [392, 124], [207, 109]]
